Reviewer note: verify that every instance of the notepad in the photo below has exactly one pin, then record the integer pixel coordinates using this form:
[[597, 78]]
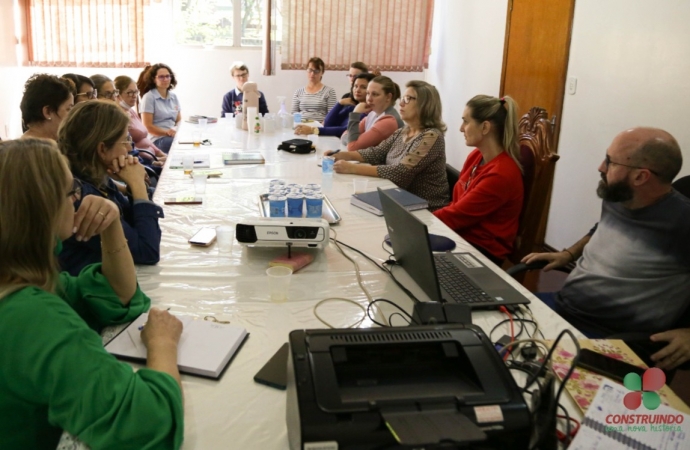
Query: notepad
[[205, 349], [201, 161], [232, 158], [370, 201]]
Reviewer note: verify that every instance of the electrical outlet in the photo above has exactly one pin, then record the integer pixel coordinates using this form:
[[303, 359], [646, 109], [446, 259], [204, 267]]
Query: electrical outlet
[[572, 85]]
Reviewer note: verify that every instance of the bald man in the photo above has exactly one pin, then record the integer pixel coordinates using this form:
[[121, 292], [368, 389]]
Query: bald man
[[632, 271]]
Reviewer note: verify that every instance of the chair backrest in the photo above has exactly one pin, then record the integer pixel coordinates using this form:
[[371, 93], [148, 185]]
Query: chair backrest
[[453, 176], [682, 185], [538, 163]]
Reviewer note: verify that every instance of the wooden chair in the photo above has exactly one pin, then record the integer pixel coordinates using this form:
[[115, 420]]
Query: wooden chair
[[538, 163]]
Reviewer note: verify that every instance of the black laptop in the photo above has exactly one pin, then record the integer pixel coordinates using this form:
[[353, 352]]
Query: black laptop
[[444, 277]]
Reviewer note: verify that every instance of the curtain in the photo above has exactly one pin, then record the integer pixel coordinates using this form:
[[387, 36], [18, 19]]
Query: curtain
[[268, 46], [94, 33], [388, 35]]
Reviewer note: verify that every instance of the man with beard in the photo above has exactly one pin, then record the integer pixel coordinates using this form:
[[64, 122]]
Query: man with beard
[[632, 271]]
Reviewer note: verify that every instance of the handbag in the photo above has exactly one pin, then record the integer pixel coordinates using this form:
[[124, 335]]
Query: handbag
[[300, 146]]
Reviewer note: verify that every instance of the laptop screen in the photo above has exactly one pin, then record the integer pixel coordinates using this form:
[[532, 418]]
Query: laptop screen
[[410, 241]]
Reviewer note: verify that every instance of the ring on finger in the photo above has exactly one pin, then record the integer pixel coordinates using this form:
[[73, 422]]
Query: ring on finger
[[101, 213]]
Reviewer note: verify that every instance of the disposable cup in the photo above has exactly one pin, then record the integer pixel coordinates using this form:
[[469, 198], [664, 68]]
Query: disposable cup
[[188, 164], [225, 235], [196, 138], [202, 123], [279, 282], [200, 182], [359, 185], [327, 165]]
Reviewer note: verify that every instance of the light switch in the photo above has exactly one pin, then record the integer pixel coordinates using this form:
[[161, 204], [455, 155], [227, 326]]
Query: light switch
[[572, 85]]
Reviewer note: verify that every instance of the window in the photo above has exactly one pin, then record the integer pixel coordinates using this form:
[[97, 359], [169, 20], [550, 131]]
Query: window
[[218, 22], [390, 35], [102, 33]]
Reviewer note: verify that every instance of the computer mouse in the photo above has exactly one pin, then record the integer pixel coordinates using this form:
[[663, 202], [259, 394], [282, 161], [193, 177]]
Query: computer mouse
[[438, 243]]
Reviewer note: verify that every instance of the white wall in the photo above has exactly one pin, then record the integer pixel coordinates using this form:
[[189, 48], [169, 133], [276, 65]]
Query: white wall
[[466, 60], [631, 60]]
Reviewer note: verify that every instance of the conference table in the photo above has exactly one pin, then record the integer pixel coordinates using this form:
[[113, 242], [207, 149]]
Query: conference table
[[236, 412]]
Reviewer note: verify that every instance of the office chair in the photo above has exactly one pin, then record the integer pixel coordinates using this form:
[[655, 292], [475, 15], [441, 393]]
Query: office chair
[[453, 176], [682, 185]]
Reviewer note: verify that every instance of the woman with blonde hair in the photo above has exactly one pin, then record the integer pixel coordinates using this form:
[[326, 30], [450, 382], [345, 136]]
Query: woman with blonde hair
[[487, 199], [95, 140], [413, 157], [55, 374]]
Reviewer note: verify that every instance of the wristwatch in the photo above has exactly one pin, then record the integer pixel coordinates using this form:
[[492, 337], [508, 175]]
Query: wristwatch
[[315, 130]]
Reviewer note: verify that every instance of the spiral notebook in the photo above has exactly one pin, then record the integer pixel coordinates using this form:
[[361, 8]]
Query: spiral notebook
[[206, 347]]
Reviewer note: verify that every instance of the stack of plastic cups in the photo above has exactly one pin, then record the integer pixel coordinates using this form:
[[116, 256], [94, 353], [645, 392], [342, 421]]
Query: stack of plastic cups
[[314, 204], [277, 205], [313, 186], [295, 203]]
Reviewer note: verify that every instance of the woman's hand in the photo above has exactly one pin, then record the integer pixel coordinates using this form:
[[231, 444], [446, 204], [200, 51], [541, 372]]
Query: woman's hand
[[344, 167], [171, 132], [362, 108], [304, 129], [161, 328], [128, 169], [94, 215]]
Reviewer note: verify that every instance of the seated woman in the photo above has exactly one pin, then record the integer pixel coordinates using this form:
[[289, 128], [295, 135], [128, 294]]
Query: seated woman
[[382, 119], [487, 199], [335, 122], [160, 107], [316, 99], [94, 139], [46, 102], [356, 68], [232, 101], [85, 89], [105, 88], [413, 157], [55, 374], [128, 101]]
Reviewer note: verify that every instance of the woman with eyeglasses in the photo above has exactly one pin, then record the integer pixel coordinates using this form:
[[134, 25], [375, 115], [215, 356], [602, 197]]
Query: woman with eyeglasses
[[382, 119], [160, 108], [413, 157], [232, 101], [95, 140], [55, 374], [85, 89], [105, 88], [46, 102], [316, 99], [487, 199], [129, 95], [336, 120]]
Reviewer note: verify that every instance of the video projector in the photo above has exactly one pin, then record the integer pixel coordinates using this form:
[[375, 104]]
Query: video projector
[[272, 232]]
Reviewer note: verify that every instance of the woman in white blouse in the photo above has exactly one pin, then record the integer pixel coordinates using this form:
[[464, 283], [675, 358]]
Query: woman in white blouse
[[316, 99]]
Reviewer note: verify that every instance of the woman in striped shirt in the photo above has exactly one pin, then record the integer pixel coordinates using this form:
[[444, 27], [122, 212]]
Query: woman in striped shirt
[[315, 99]]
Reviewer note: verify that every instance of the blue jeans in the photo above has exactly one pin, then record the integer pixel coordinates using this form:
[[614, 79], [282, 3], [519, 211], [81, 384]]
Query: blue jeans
[[164, 143], [549, 299]]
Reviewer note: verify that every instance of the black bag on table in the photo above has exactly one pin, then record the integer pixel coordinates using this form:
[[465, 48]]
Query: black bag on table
[[301, 146]]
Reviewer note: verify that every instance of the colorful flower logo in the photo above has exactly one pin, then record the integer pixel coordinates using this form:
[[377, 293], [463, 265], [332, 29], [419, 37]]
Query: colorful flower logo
[[643, 389]]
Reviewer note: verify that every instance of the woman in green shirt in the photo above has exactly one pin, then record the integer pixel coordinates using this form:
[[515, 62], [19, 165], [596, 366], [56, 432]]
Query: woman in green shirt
[[55, 374]]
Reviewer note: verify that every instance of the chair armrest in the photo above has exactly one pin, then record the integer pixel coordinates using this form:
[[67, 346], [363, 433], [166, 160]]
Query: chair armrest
[[148, 153]]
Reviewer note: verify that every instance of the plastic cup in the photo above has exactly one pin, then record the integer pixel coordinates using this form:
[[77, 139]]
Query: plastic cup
[[314, 204], [296, 119], [196, 138], [327, 165], [319, 153], [276, 205], [279, 282], [313, 186], [225, 235], [200, 182], [202, 123], [238, 120], [359, 185], [188, 164], [295, 204]]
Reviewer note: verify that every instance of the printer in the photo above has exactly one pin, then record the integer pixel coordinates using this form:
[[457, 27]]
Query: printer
[[418, 387]]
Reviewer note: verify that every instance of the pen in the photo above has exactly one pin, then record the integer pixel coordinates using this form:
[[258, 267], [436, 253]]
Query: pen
[[331, 154], [141, 327]]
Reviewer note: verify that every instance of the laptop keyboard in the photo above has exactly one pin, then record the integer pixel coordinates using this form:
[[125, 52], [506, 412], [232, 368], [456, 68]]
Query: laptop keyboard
[[456, 283]]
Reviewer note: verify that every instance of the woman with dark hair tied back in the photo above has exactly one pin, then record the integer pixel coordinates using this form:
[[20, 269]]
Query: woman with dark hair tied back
[[487, 199], [95, 139], [381, 117], [356, 68], [160, 110], [336, 120], [46, 102], [85, 89], [413, 157], [315, 99], [55, 374]]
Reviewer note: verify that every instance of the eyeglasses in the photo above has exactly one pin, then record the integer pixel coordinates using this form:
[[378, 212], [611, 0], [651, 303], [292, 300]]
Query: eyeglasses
[[350, 76], [314, 71], [89, 94], [129, 141], [75, 193], [109, 95], [163, 77], [241, 75], [405, 99], [132, 93], [608, 162]]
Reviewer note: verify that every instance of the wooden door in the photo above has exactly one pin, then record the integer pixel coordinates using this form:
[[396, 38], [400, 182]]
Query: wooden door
[[535, 58]]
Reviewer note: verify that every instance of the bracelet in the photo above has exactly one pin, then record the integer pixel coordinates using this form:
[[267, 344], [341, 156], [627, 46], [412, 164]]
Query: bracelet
[[117, 250], [570, 253]]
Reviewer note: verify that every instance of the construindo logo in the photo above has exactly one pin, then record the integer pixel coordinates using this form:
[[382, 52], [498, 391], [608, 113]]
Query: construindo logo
[[643, 390]]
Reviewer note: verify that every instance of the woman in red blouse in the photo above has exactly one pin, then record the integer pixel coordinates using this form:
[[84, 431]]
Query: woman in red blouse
[[487, 199]]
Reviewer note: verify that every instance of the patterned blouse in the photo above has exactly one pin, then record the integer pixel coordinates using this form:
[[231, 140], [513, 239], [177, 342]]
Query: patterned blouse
[[418, 165]]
